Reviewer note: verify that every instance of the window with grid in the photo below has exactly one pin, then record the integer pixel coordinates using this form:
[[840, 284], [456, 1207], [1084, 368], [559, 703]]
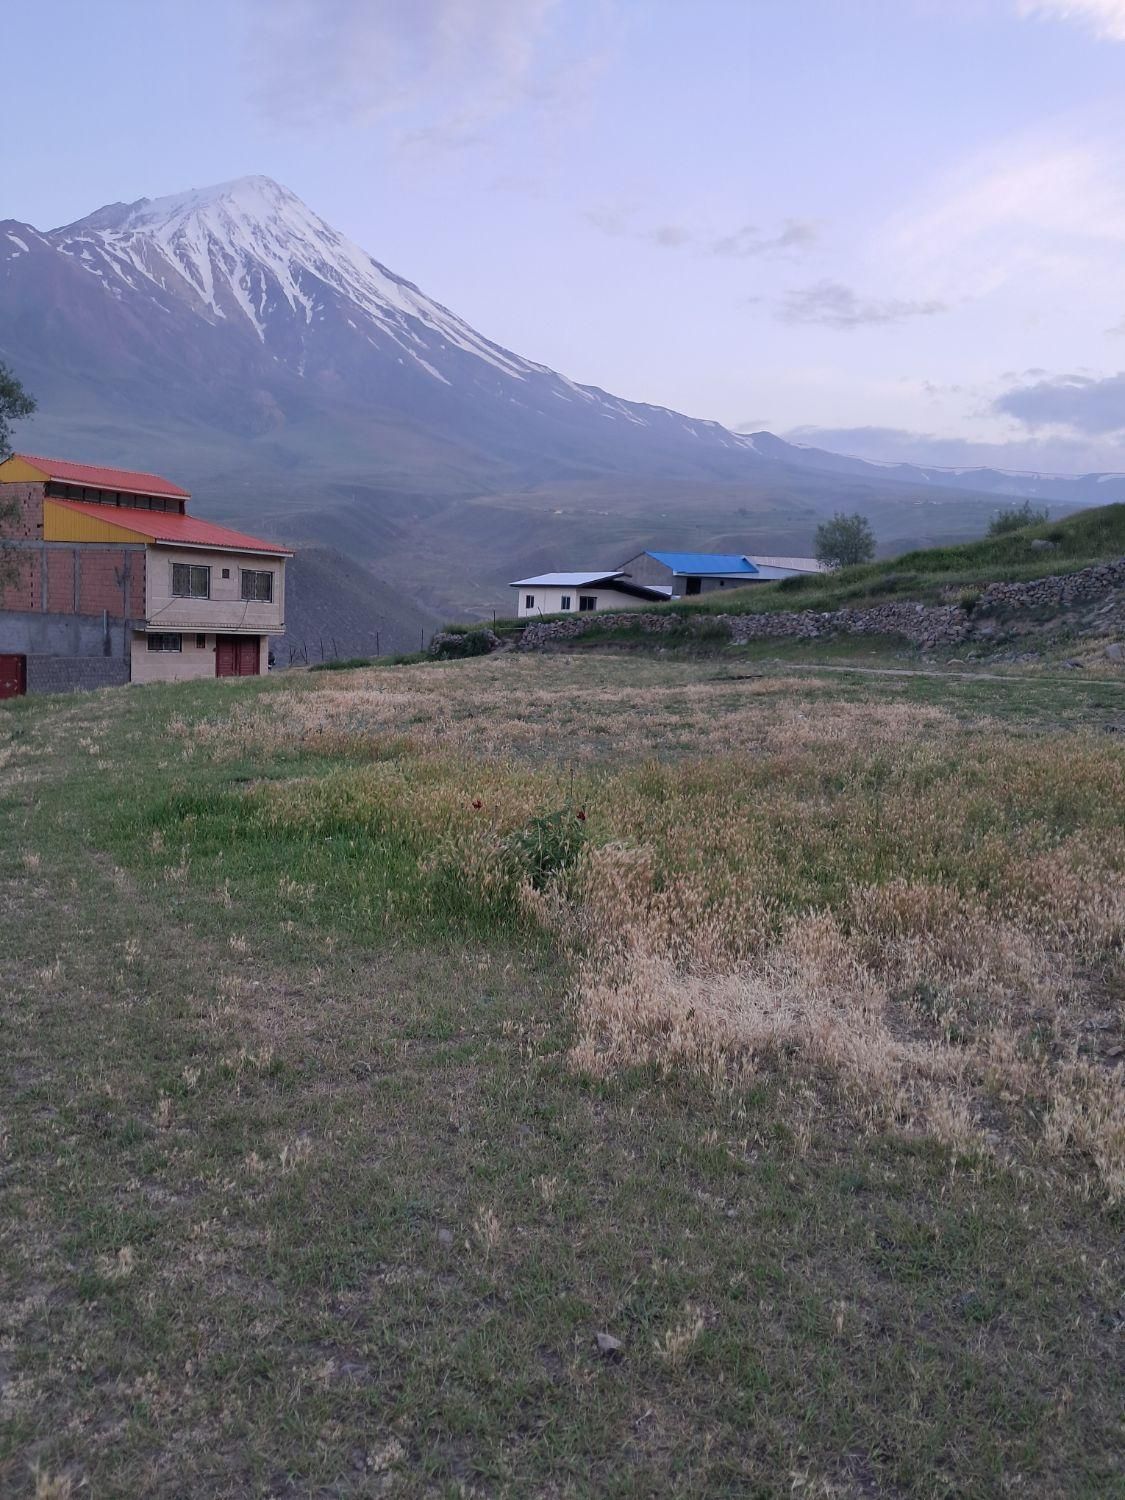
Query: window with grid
[[191, 581], [564, 602], [257, 585], [165, 641], [586, 602]]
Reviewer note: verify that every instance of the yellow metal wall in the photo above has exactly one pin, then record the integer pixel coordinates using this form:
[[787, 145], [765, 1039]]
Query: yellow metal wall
[[63, 525], [17, 470]]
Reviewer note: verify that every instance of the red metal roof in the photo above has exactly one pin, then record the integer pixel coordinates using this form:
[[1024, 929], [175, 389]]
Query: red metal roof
[[173, 530], [128, 481]]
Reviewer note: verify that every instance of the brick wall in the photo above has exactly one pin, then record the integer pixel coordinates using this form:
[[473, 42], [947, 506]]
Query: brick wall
[[26, 500], [84, 579], [19, 578]]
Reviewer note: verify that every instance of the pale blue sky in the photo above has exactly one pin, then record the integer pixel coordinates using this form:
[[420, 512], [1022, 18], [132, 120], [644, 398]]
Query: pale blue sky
[[903, 215]]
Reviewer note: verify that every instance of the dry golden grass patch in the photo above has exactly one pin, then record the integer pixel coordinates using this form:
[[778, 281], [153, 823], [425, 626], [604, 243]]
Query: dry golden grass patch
[[926, 916]]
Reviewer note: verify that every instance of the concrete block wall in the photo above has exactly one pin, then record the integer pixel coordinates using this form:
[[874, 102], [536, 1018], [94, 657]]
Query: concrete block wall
[[75, 674], [35, 633]]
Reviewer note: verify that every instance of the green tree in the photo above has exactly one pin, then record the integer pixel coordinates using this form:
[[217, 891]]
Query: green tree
[[14, 404], [845, 540], [1016, 517]]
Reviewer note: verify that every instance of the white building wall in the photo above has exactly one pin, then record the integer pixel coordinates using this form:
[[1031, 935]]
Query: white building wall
[[551, 601]]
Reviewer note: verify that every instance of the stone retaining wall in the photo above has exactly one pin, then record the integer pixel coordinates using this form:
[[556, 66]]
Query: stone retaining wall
[[923, 625]]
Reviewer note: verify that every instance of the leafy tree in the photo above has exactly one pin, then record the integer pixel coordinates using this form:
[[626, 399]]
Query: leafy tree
[[845, 540], [1016, 517], [14, 404]]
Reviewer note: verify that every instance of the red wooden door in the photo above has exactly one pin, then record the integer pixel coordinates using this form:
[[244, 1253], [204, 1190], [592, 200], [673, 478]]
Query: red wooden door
[[13, 676], [248, 654], [226, 659], [236, 656]]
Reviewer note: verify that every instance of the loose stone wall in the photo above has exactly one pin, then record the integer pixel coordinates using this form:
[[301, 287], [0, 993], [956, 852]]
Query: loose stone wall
[[923, 625]]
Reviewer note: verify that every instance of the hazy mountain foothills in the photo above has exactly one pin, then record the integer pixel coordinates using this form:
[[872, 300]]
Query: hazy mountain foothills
[[231, 338]]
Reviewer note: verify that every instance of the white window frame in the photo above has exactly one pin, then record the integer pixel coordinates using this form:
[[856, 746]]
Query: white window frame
[[529, 601], [158, 640], [564, 602]]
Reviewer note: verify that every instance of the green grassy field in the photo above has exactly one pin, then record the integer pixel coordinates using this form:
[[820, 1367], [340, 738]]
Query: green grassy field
[[375, 1040]]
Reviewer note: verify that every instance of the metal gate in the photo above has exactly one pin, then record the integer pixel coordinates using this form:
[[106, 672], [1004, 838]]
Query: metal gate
[[237, 656], [13, 676]]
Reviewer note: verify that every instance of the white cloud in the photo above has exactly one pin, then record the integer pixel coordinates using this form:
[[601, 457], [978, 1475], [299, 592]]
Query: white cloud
[[449, 68], [746, 242], [1106, 18], [1041, 214], [834, 305]]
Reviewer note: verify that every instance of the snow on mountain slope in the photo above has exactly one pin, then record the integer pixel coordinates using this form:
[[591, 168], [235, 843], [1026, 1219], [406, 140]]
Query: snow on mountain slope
[[250, 252]]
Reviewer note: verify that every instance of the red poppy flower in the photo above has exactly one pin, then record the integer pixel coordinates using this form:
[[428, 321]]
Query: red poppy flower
[[477, 803], [581, 816]]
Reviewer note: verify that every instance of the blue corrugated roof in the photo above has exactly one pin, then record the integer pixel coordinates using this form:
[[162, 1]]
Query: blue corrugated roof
[[704, 562]]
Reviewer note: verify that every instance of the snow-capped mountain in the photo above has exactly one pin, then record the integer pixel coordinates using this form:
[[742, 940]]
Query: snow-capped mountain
[[231, 338], [250, 258]]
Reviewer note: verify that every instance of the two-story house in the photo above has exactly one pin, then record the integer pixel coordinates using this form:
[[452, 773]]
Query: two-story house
[[108, 579]]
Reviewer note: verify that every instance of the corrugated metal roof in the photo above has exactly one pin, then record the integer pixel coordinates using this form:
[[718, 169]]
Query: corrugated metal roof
[[129, 481], [172, 530], [706, 563], [567, 580], [793, 564]]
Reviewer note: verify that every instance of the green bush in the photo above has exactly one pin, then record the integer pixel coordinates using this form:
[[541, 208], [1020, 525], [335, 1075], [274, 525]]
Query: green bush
[[548, 845], [1016, 517], [452, 645]]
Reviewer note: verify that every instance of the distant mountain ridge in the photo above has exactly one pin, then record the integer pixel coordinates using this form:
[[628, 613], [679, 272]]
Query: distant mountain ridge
[[1071, 489], [230, 337]]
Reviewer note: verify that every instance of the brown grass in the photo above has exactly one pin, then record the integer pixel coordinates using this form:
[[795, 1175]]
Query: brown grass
[[926, 917]]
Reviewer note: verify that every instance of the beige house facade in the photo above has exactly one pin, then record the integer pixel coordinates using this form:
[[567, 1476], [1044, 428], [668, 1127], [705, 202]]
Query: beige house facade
[[113, 581]]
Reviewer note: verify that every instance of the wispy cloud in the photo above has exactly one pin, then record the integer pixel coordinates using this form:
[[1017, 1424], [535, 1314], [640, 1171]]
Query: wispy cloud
[[1083, 404], [834, 305], [743, 243], [1106, 18], [450, 68]]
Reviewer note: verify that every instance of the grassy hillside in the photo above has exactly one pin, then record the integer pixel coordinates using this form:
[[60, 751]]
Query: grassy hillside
[[1089, 536], [557, 1076], [334, 607]]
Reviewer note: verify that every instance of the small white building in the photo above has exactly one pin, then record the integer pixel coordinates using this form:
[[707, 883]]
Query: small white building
[[582, 592]]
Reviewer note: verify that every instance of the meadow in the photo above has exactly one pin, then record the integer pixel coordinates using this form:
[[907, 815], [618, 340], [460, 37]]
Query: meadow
[[592, 1075]]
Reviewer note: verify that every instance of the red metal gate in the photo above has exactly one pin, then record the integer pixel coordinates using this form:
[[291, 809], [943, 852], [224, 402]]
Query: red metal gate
[[13, 676], [237, 656]]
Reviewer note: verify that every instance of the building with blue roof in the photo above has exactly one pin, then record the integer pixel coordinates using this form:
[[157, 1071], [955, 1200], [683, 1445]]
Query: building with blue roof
[[685, 573]]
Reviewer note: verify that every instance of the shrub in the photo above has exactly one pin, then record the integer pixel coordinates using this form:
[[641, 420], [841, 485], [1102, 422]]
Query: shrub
[[450, 645], [1015, 518], [968, 599], [548, 845]]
